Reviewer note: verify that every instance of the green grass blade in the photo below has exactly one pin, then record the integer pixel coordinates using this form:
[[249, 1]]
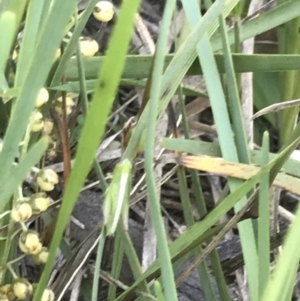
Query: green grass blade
[[263, 244], [153, 197], [85, 104], [96, 276], [288, 42], [116, 265], [7, 32], [29, 40], [138, 66], [158, 291], [234, 103], [203, 272], [133, 260], [280, 285]]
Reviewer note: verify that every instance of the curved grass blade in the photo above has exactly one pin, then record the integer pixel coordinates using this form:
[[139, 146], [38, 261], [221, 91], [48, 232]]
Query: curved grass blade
[[277, 107], [153, 198]]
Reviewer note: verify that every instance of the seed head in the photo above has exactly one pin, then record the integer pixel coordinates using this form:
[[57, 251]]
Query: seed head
[[29, 243], [104, 11], [47, 179], [21, 211], [22, 288]]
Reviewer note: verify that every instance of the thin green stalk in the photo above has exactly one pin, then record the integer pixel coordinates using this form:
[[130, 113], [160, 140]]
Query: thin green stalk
[[200, 201], [116, 265], [133, 260], [98, 265], [279, 285], [234, 107], [162, 244], [29, 39], [158, 291], [263, 247], [288, 43], [204, 275]]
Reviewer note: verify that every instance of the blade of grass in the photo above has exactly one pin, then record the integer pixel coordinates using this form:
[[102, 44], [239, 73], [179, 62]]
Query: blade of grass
[[94, 126], [153, 198], [234, 104], [288, 42], [46, 9], [203, 272], [98, 265], [238, 170], [29, 39], [133, 260], [8, 27], [158, 291], [116, 265], [280, 284], [138, 66], [263, 242]]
